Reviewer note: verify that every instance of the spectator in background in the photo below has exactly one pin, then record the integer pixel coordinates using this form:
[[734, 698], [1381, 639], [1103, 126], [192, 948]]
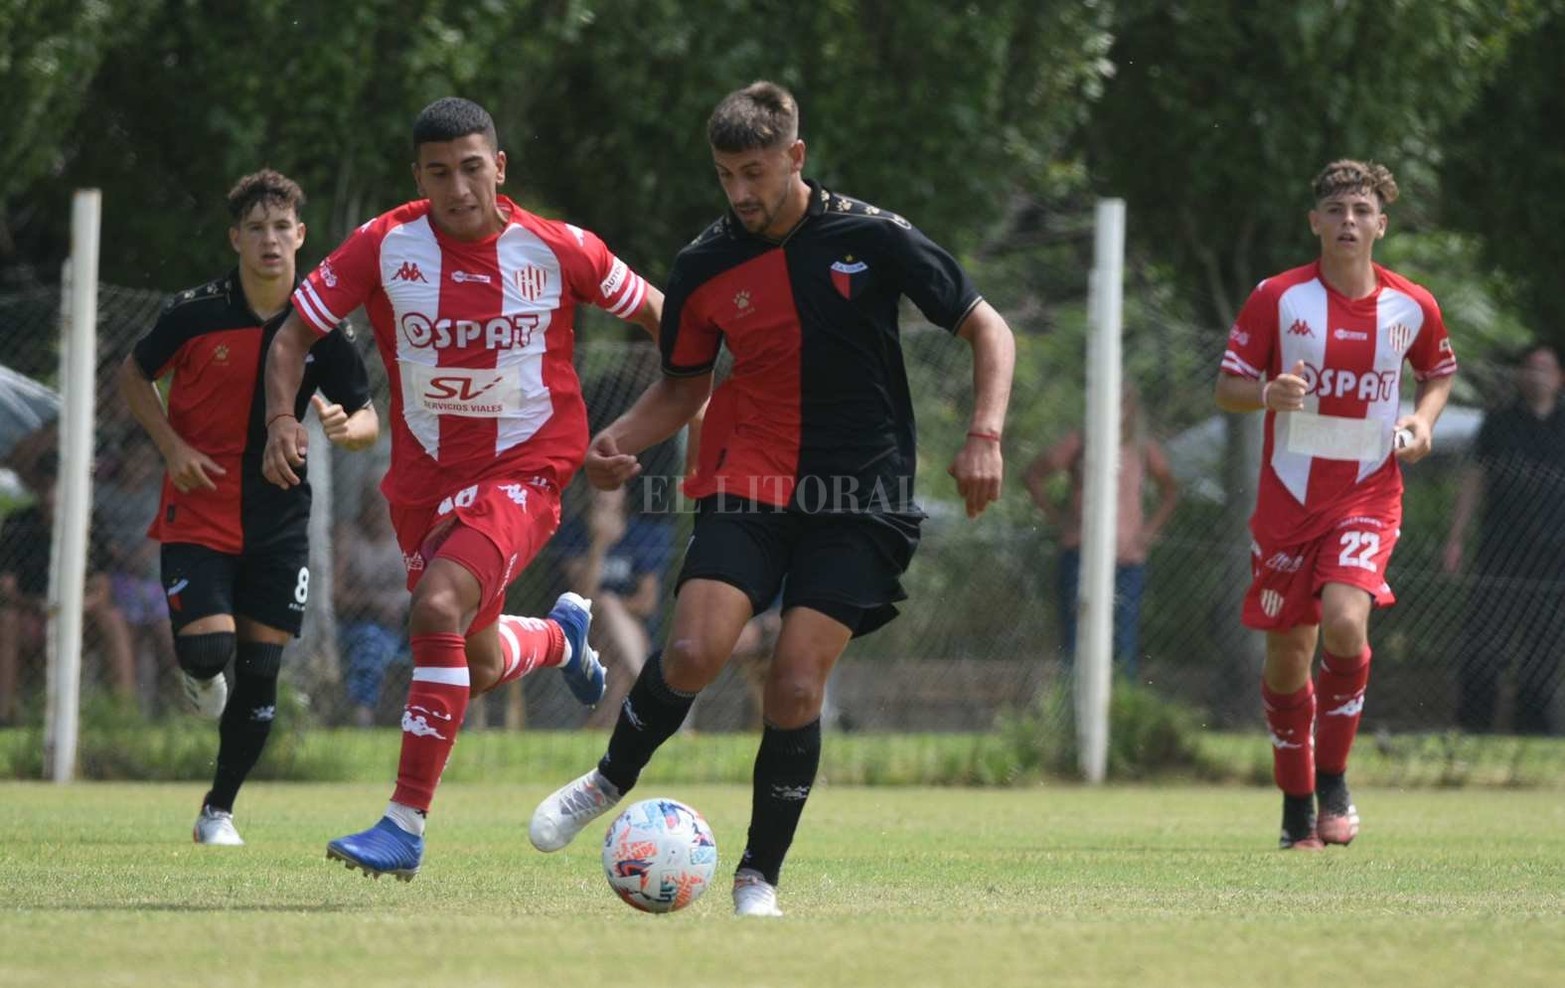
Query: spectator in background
[[615, 556], [372, 602], [127, 498], [25, 549], [1141, 460], [1518, 473]]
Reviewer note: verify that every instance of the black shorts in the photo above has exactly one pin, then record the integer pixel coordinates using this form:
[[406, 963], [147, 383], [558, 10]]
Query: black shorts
[[847, 566], [270, 588]]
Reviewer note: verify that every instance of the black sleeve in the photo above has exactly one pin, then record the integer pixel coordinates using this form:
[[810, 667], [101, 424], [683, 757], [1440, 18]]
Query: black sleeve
[[155, 351], [341, 373], [931, 277], [689, 349]]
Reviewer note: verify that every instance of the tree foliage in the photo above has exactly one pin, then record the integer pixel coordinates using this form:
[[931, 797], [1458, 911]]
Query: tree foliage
[[1505, 167], [1215, 152], [935, 112]]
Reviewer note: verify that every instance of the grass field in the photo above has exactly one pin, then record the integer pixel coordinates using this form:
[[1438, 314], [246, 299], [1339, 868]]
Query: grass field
[[1035, 886]]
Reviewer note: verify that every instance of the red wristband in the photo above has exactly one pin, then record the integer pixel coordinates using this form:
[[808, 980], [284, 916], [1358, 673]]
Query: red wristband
[[281, 415], [993, 437]]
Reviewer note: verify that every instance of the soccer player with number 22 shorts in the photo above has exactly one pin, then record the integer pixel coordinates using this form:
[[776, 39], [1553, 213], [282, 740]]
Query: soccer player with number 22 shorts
[[1320, 348], [472, 300]]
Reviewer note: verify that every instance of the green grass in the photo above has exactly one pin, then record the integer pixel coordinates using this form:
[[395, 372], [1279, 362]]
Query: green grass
[[1057, 885]]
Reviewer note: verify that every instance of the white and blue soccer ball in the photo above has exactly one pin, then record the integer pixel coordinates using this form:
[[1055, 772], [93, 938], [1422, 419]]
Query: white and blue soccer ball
[[659, 855]]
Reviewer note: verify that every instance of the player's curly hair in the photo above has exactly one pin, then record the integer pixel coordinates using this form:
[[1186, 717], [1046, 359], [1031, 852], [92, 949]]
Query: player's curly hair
[[761, 116], [265, 187], [1348, 175]]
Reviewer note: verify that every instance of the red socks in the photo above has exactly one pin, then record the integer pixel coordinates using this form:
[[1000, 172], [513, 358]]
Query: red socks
[[1341, 691], [437, 702], [1290, 717], [527, 644]]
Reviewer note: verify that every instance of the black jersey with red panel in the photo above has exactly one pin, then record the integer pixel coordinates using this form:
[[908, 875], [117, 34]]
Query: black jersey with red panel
[[214, 346], [816, 415]]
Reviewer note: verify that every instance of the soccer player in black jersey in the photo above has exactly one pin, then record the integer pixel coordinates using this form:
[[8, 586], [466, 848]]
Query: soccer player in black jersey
[[807, 454], [235, 548]]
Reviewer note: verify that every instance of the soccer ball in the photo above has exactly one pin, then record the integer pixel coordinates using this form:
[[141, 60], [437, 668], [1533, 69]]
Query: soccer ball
[[659, 855]]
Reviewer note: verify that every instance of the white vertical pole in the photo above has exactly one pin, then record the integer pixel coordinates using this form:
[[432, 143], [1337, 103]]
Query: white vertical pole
[[73, 489], [1095, 606]]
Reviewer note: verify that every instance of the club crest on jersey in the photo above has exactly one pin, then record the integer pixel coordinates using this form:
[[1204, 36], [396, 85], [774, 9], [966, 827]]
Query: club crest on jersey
[[849, 276], [531, 281], [1399, 336]]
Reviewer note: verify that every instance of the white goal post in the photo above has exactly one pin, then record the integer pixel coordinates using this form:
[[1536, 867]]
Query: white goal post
[[1100, 501], [73, 490]]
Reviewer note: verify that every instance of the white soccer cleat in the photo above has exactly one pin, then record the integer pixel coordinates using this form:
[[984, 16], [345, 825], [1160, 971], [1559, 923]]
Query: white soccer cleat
[[558, 819], [207, 697], [216, 827], [754, 895]]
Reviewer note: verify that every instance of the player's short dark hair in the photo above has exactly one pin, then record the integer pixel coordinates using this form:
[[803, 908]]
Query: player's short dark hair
[[267, 188], [1348, 176], [451, 117], [761, 116]]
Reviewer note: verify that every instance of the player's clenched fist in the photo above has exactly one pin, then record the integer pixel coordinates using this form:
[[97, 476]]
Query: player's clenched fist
[[1285, 392]]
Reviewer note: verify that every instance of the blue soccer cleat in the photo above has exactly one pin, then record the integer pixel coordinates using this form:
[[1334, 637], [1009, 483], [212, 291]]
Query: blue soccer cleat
[[384, 849], [583, 673]]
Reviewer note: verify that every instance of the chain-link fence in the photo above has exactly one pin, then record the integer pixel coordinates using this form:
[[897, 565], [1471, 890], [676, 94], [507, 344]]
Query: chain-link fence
[[1472, 642]]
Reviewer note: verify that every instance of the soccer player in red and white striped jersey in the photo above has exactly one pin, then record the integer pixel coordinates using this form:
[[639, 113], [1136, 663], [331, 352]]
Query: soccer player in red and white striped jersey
[[472, 300], [1321, 349]]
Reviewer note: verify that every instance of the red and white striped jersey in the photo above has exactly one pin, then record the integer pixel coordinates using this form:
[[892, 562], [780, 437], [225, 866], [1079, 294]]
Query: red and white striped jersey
[[1323, 463], [477, 341]]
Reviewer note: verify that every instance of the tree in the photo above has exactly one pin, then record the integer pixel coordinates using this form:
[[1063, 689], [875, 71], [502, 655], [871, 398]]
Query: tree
[[49, 51], [1505, 167]]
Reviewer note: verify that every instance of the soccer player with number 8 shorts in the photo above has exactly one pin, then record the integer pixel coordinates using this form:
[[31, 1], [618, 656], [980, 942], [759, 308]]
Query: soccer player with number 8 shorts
[[472, 299], [235, 556], [1321, 348]]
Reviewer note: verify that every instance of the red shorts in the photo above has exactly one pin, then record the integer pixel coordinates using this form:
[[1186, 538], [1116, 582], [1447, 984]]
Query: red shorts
[[1287, 579], [514, 518]]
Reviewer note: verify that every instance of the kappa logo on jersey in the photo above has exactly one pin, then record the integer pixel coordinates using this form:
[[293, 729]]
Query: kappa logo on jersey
[[1300, 328], [499, 333], [328, 275], [409, 272], [531, 282], [742, 302], [462, 277], [1399, 336], [1239, 336], [848, 276], [220, 354]]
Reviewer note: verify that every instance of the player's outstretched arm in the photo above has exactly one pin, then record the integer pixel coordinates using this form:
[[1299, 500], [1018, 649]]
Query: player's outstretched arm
[[978, 466], [286, 442], [188, 468], [660, 412]]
